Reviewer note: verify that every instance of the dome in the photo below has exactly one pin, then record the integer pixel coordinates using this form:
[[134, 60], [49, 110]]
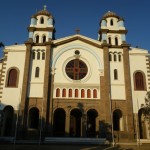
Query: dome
[[111, 14], [42, 12]]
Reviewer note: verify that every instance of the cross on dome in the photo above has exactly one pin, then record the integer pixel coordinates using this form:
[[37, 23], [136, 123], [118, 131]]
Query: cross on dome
[[44, 7]]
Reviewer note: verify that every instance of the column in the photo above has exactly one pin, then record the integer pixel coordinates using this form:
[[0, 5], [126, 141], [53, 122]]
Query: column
[[47, 88], [67, 125], [129, 105], [84, 125], [105, 87], [24, 101]]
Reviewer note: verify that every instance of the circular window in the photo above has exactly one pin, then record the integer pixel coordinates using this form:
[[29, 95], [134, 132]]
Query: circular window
[[77, 52], [76, 69]]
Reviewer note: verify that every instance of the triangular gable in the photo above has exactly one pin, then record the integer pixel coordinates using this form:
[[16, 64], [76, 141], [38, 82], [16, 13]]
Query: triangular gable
[[77, 37]]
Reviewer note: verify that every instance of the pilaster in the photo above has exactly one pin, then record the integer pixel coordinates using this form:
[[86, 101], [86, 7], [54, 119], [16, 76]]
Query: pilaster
[[24, 100], [46, 88], [105, 86], [129, 104], [67, 125]]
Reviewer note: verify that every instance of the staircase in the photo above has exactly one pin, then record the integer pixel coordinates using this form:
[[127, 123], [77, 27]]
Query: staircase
[[64, 140]]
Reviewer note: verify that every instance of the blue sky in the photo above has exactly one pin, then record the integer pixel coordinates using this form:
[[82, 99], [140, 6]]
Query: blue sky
[[71, 14]]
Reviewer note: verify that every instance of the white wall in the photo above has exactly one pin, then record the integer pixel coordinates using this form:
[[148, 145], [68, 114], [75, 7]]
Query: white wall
[[36, 84], [15, 58], [138, 62], [93, 58], [117, 86]]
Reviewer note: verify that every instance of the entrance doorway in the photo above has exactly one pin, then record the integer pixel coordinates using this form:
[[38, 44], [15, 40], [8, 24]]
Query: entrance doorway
[[75, 123], [8, 121], [142, 124], [91, 122], [59, 123]]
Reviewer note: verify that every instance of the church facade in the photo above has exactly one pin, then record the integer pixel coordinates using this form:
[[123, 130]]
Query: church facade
[[74, 86]]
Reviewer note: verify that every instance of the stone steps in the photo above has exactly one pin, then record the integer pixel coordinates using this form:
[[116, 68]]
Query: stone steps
[[64, 140]]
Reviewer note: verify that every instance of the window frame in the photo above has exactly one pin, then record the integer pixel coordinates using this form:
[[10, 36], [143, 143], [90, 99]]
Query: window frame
[[37, 38], [37, 72], [17, 78], [115, 74], [111, 22], [42, 20], [140, 88], [38, 55], [58, 92]]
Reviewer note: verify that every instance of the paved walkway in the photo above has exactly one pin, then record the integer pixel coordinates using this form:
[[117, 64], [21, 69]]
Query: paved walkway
[[74, 147]]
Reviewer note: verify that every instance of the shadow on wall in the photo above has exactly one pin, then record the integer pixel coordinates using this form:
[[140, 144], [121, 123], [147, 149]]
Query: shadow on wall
[[7, 120], [105, 130]]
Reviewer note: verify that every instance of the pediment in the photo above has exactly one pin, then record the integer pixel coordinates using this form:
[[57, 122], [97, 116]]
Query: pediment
[[79, 37]]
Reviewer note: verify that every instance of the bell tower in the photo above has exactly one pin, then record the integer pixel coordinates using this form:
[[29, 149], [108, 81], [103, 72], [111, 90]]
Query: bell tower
[[36, 79], [42, 27], [112, 29]]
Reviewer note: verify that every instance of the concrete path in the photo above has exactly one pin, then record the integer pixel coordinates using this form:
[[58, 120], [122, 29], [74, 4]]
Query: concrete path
[[74, 147]]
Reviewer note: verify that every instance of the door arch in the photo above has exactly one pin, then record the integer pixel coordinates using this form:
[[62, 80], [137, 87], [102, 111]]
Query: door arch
[[33, 121], [75, 122], [91, 122], [59, 122], [142, 124], [8, 121], [117, 120]]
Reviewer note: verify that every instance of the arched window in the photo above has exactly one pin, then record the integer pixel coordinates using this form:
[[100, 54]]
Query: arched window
[[37, 39], [110, 57], [109, 40], [115, 57], [44, 39], [37, 72], [88, 93], [111, 22], [12, 78], [43, 55], [116, 41], [119, 57], [82, 93], [33, 55], [94, 93], [42, 20], [139, 81], [70, 92], [57, 92], [76, 93], [115, 74], [38, 55], [64, 93], [33, 118], [117, 120]]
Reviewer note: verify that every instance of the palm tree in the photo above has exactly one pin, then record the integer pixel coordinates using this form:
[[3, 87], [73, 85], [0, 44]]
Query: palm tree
[[1, 45]]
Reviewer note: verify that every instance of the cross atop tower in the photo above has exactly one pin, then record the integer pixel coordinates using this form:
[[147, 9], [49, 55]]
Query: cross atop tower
[[77, 31], [44, 7]]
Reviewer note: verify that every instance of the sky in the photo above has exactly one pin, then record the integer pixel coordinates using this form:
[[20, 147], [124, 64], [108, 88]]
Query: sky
[[15, 16]]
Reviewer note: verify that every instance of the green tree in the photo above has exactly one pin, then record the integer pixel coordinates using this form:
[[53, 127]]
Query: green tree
[[146, 106], [1, 44]]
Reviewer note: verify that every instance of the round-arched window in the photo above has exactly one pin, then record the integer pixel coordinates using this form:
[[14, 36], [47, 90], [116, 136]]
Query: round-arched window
[[76, 69]]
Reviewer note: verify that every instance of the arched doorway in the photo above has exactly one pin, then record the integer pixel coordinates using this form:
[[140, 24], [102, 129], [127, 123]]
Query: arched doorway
[[117, 120], [75, 123], [33, 121], [8, 121], [142, 124], [59, 122], [91, 122]]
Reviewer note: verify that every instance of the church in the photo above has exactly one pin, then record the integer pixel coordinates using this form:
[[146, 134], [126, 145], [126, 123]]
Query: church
[[74, 86]]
